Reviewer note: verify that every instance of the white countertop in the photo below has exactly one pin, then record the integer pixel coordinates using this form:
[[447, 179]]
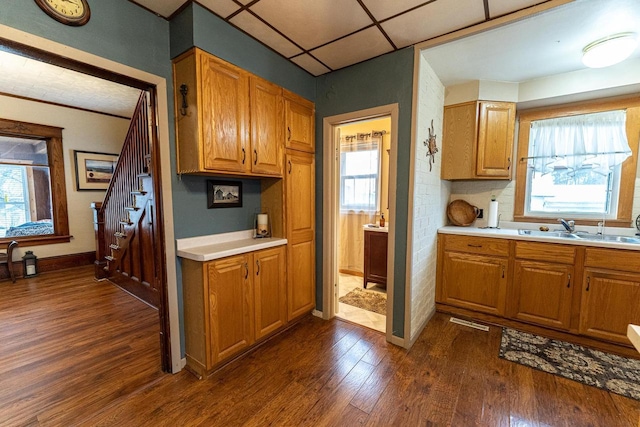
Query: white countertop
[[512, 233], [633, 332], [216, 246], [374, 227]]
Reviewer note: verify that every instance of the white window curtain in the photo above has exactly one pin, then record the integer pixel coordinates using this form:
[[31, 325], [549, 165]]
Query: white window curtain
[[596, 141]]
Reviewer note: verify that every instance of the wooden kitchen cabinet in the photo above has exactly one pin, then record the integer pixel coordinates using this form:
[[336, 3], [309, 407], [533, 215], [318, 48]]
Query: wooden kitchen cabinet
[[266, 127], [229, 122], [300, 225], [300, 122], [375, 257], [230, 303], [477, 141], [543, 280], [474, 274], [610, 294], [270, 290]]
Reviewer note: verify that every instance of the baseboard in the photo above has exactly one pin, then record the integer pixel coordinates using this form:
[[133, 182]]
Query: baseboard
[[60, 262], [351, 272], [318, 314]]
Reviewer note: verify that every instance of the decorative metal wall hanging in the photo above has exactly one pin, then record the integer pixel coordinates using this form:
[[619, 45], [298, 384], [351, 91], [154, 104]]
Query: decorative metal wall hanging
[[432, 149]]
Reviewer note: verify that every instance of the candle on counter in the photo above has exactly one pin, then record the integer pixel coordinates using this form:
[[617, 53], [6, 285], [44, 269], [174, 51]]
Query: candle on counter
[[263, 224]]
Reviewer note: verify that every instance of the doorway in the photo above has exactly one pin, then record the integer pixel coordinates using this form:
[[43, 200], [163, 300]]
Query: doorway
[[359, 157], [156, 88]]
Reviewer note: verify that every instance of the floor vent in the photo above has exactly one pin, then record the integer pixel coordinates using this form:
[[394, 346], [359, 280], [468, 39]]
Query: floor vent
[[469, 324]]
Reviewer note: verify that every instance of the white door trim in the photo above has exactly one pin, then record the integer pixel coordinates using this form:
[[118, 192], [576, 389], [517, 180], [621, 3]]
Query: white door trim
[[330, 216], [164, 141]]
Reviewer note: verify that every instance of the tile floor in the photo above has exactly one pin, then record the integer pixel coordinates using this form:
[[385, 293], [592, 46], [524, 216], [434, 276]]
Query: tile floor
[[357, 315]]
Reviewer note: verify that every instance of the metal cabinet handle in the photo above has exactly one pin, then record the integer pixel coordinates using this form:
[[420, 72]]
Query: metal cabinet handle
[[258, 265], [244, 155], [509, 165], [569, 282], [255, 153], [289, 167], [503, 271], [288, 133], [588, 283], [474, 246], [246, 270]]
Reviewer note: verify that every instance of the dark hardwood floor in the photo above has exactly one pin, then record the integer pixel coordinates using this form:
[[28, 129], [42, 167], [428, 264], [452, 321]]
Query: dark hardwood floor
[[77, 352]]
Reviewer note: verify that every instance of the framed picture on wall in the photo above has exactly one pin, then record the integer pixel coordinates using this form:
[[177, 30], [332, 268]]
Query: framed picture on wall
[[94, 170], [224, 194]]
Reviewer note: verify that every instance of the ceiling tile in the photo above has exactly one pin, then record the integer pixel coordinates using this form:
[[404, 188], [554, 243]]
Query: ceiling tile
[[420, 24], [310, 64], [162, 7], [245, 2], [355, 48], [502, 7], [313, 23], [382, 9], [222, 8], [258, 29]]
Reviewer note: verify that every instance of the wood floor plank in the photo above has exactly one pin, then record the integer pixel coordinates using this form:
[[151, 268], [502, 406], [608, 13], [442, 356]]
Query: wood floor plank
[[79, 353]]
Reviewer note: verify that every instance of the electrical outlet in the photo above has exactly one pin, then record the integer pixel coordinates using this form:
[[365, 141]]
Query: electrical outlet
[[480, 213]]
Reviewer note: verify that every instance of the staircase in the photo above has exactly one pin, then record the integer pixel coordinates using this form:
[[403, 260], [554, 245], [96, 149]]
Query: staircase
[[123, 222]]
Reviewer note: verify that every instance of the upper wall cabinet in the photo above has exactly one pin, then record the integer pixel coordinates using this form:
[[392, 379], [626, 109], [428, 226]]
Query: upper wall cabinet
[[227, 120], [300, 118], [477, 140]]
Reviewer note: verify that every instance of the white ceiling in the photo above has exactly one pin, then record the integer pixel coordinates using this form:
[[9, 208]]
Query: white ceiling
[[323, 35]]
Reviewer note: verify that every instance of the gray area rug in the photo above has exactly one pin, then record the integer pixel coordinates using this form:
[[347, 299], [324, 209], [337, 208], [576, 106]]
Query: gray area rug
[[607, 371], [367, 300]]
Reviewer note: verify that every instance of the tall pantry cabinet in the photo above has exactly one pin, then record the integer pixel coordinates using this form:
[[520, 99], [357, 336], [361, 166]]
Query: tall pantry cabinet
[[299, 180]]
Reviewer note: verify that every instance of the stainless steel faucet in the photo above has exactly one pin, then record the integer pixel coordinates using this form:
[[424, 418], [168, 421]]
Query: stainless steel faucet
[[570, 225]]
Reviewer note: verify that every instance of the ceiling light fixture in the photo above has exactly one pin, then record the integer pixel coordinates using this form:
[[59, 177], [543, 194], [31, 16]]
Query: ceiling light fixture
[[609, 50]]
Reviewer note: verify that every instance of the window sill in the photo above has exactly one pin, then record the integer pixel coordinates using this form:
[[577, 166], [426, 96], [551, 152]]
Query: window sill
[[37, 240]]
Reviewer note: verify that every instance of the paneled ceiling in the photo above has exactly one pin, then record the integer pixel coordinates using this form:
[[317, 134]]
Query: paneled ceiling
[[325, 35]]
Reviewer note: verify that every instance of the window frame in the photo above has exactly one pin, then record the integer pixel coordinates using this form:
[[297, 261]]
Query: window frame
[[53, 137], [627, 172]]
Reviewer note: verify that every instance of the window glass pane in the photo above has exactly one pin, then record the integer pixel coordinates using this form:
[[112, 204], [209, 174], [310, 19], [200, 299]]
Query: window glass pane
[[25, 201], [584, 191], [23, 151], [359, 180]]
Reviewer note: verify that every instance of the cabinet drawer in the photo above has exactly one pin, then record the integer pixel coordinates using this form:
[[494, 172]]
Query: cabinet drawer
[[476, 245], [561, 254], [613, 259]]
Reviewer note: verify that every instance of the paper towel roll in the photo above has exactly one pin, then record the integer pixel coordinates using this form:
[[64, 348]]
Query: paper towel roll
[[492, 219]]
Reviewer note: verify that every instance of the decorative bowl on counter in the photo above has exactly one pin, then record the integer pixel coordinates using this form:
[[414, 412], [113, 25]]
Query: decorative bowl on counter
[[462, 213]]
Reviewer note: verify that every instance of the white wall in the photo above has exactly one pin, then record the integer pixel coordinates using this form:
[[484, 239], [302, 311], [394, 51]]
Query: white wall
[[84, 131], [430, 197]]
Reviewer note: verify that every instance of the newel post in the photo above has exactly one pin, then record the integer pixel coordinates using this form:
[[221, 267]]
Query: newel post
[[98, 226]]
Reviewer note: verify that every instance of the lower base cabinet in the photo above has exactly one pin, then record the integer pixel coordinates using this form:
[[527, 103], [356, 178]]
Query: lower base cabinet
[[589, 292], [230, 303]]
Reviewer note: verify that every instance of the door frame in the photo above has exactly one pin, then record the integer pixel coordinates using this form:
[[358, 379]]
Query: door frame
[[331, 209], [105, 68]]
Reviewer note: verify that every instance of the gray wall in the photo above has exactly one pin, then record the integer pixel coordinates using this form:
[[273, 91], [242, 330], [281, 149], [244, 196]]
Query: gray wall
[[384, 80]]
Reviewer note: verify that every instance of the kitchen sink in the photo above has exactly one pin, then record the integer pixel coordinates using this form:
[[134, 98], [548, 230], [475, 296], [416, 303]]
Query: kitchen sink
[[581, 236], [538, 233]]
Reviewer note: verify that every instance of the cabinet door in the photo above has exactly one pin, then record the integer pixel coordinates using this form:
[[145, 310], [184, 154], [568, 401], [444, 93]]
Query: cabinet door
[[459, 132], [300, 117], [542, 293], [230, 306], [609, 304], [375, 257], [269, 290], [301, 278], [300, 224], [475, 282], [495, 139], [266, 127], [225, 116]]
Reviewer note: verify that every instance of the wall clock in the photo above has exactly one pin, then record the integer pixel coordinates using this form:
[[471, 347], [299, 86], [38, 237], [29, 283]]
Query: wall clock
[[69, 12]]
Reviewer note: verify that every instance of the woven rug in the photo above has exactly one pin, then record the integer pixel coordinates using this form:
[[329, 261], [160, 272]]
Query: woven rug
[[607, 371], [367, 300]]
